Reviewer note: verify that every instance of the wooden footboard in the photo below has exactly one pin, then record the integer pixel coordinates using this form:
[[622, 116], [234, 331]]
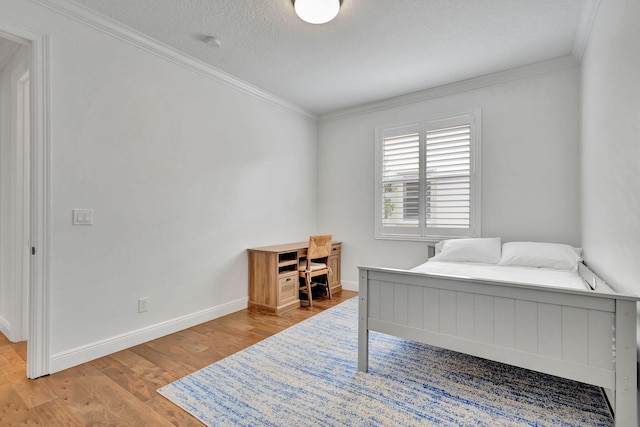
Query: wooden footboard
[[586, 336]]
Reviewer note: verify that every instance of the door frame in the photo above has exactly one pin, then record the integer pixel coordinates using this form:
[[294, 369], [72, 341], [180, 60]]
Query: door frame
[[38, 351], [20, 241]]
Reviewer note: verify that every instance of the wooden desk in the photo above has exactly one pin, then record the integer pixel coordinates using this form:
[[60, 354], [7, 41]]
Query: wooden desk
[[273, 275]]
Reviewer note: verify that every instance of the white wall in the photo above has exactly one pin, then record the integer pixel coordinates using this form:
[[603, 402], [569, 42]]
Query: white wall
[[183, 173], [611, 146], [530, 168], [12, 303]]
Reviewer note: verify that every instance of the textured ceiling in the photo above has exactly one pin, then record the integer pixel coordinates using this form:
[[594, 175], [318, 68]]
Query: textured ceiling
[[373, 50]]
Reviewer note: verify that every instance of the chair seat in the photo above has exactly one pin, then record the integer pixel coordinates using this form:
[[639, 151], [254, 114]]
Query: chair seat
[[313, 266]]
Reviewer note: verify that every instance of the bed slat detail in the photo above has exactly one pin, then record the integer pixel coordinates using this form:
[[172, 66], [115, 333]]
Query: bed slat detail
[[400, 304], [600, 342], [527, 326], [575, 335], [448, 312], [504, 318], [386, 301], [375, 299], [415, 307], [431, 301], [549, 334], [465, 326], [566, 333], [483, 318]]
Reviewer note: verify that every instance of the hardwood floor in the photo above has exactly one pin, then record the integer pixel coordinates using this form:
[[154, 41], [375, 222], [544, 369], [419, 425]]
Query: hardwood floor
[[120, 389]]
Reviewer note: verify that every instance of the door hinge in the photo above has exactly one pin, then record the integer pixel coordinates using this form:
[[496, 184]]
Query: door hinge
[[33, 250]]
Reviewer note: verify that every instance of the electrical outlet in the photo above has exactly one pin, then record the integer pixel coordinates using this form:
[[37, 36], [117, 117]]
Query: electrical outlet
[[143, 304]]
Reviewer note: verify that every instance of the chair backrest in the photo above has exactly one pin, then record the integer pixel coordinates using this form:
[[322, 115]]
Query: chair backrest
[[319, 246]]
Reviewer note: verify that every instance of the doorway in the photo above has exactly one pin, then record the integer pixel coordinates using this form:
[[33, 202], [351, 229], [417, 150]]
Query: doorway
[[15, 141], [24, 192]]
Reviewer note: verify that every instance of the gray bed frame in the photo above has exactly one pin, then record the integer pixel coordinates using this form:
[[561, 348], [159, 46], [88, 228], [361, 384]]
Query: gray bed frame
[[587, 336]]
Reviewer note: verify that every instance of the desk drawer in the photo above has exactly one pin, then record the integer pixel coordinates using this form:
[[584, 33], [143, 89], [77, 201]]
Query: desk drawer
[[335, 250], [287, 289]]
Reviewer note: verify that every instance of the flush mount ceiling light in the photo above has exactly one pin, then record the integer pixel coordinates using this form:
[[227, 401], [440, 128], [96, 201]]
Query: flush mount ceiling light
[[316, 11]]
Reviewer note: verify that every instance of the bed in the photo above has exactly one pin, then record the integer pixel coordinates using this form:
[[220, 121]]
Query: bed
[[532, 305]]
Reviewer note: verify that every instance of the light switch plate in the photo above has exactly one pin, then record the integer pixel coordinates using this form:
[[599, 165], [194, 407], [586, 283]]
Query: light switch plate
[[82, 216]]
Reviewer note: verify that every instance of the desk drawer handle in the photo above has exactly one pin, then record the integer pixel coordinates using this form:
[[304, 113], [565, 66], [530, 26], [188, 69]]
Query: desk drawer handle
[[288, 279]]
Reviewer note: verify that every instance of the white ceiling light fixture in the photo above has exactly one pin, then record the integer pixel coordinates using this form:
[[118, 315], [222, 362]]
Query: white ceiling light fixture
[[316, 11]]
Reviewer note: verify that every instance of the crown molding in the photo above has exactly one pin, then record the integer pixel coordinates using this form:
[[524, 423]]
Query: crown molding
[[537, 68], [93, 19], [585, 25]]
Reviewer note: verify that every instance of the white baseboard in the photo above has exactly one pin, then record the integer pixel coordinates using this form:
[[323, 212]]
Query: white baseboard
[[86, 353], [5, 327], [349, 286]]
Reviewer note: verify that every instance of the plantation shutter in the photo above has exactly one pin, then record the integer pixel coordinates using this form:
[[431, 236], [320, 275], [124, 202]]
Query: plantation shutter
[[428, 180], [400, 198], [448, 178]]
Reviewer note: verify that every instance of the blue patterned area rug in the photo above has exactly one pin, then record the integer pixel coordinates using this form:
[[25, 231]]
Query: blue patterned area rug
[[307, 375]]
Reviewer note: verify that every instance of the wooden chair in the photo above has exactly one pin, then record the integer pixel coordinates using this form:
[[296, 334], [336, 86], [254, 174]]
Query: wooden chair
[[316, 265]]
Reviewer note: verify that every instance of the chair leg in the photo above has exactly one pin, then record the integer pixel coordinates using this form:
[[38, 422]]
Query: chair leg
[[309, 295]]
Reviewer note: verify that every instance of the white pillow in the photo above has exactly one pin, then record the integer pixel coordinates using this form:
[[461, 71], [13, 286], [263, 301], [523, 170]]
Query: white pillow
[[540, 255], [483, 250]]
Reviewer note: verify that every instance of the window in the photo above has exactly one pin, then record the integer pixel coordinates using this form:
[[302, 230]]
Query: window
[[428, 179], [411, 200]]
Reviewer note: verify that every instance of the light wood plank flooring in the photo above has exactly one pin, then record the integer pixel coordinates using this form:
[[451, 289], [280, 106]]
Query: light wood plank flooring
[[120, 389]]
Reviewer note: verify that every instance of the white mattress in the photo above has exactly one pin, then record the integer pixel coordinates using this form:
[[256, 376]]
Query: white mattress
[[521, 275]]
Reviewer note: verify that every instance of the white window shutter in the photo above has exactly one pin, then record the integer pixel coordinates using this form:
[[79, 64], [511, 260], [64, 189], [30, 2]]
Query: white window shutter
[[428, 180], [448, 177], [400, 174]]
